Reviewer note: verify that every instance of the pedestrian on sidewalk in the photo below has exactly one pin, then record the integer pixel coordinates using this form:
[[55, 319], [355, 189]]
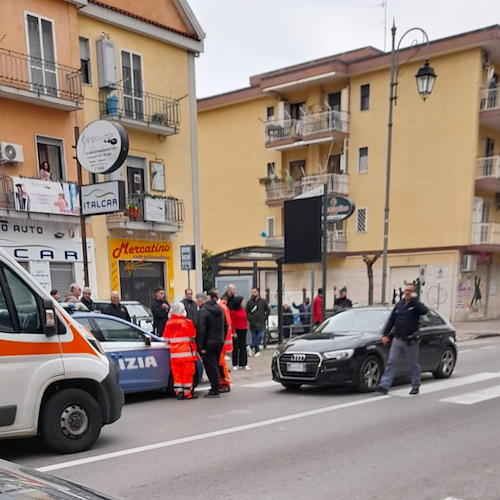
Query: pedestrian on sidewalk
[[87, 301], [287, 321], [342, 302], [190, 305], [318, 308], [305, 314], [211, 330], [257, 312], [225, 380], [230, 296], [405, 318], [115, 308], [240, 326], [74, 293], [159, 308], [180, 335]]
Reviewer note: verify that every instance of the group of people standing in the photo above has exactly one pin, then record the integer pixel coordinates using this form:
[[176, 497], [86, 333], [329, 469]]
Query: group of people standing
[[213, 326]]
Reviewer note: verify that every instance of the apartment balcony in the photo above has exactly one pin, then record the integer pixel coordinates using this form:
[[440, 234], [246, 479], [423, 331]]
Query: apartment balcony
[[280, 190], [39, 200], [488, 174], [337, 183], [485, 237], [278, 242], [311, 129], [336, 241], [142, 111], [145, 213], [490, 108], [41, 82]]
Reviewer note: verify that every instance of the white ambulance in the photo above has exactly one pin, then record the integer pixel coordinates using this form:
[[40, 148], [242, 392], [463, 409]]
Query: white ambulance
[[55, 379]]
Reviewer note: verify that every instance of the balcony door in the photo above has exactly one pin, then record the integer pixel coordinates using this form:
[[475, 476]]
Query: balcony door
[[481, 221], [42, 55], [133, 96], [334, 101], [136, 176]]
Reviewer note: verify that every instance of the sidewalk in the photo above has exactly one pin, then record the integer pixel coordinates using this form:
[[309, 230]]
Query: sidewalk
[[470, 330]]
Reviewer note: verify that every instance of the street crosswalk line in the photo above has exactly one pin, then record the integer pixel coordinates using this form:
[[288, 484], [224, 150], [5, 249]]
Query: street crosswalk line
[[260, 385], [473, 397], [451, 383]]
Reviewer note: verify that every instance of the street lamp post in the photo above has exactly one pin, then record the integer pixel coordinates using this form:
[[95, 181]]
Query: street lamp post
[[426, 77]]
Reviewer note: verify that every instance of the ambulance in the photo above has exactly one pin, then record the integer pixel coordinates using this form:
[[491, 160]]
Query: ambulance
[[55, 379]]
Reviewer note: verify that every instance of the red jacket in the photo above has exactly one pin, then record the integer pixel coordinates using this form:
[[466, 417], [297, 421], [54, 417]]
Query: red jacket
[[240, 321], [228, 342], [180, 335], [318, 309]]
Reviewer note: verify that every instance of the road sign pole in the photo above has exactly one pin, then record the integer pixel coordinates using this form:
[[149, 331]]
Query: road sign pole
[[189, 279]]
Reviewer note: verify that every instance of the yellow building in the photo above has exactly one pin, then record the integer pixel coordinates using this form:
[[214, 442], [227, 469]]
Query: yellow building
[[137, 62], [325, 121]]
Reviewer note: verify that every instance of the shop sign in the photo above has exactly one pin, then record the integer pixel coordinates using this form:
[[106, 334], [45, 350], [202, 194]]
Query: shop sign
[[102, 147], [39, 251], [45, 197], [339, 208], [187, 257], [103, 198], [139, 249], [40, 270], [483, 259], [154, 209]]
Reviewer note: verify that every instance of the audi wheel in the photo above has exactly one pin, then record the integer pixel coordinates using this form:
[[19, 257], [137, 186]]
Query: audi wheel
[[370, 374], [446, 363]]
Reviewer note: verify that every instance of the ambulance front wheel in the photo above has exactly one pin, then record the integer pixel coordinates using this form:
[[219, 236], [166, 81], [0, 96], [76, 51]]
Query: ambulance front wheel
[[71, 421]]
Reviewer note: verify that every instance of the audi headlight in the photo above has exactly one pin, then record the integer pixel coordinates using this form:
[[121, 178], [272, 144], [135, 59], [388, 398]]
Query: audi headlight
[[339, 355]]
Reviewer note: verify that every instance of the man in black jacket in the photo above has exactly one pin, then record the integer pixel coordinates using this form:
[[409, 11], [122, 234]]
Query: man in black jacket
[[159, 308], [190, 305], [116, 309], [405, 319], [257, 312], [210, 335], [342, 302], [230, 296]]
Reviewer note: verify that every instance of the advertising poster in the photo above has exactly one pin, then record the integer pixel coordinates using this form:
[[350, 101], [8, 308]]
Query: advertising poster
[[46, 197], [463, 295]]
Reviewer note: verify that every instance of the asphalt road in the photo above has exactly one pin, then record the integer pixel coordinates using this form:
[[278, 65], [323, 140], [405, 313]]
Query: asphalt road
[[262, 442]]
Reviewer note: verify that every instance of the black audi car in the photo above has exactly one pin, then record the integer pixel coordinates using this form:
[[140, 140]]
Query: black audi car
[[347, 350]]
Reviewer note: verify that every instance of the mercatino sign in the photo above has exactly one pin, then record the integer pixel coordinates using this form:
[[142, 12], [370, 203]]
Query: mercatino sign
[[103, 198]]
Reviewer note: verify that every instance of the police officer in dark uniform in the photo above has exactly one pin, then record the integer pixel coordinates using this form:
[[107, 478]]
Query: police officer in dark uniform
[[116, 309], [405, 319]]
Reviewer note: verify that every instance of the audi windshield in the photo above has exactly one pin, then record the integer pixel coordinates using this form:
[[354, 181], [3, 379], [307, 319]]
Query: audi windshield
[[355, 321]]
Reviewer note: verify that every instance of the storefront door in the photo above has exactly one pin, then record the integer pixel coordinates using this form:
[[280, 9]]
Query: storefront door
[[139, 280]]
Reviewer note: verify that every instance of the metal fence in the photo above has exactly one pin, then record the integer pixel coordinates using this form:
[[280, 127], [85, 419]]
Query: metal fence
[[40, 76], [125, 102]]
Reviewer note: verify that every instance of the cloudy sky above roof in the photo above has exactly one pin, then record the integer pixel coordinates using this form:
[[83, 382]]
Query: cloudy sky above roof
[[248, 37]]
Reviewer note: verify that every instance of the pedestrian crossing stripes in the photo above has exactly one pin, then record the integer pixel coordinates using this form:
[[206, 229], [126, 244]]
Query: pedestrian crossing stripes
[[474, 397], [261, 385], [451, 383]]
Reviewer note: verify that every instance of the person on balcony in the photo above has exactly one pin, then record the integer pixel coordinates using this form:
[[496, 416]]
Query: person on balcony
[[44, 173]]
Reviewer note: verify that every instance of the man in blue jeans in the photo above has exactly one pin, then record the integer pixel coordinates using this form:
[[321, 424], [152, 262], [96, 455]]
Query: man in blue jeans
[[257, 313], [405, 319]]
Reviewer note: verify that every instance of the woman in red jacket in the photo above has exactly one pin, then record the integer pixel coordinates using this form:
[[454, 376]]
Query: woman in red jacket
[[240, 325]]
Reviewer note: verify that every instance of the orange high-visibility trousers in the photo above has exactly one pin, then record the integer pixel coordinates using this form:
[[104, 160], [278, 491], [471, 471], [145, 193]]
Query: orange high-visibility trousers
[[183, 374], [224, 380]]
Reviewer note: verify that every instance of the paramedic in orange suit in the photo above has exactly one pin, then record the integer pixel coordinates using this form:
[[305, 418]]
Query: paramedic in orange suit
[[225, 381], [180, 335]]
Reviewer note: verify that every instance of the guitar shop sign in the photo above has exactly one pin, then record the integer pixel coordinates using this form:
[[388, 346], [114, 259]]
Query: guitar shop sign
[[339, 208]]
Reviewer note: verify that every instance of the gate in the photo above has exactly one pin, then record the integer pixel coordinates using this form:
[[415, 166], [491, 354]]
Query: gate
[[139, 279]]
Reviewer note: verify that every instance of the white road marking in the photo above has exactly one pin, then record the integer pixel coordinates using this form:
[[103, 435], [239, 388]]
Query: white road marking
[[488, 347], [208, 435], [463, 351], [451, 498], [441, 385], [260, 385], [473, 397]]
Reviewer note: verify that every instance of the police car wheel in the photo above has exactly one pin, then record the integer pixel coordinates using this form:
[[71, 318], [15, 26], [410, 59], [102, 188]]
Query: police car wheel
[[71, 421]]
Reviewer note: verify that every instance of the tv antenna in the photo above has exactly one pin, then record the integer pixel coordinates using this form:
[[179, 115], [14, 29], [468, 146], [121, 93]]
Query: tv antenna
[[384, 22]]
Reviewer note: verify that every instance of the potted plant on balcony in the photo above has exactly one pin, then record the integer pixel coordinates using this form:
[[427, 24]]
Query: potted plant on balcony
[[158, 119], [266, 181], [133, 211]]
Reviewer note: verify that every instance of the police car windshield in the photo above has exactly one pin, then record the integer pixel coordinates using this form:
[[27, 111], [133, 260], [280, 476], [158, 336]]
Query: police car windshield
[[138, 310], [355, 321]]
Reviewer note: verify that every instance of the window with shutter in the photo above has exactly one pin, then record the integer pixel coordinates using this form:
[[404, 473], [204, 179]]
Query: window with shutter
[[363, 161], [42, 55], [61, 276], [132, 85], [85, 60], [271, 170], [271, 227], [361, 225]]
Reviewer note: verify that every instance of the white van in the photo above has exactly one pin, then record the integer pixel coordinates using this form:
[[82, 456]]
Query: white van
[[55, 379]]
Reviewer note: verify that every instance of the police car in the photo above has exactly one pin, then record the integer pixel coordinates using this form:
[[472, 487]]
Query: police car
[[142, 358]]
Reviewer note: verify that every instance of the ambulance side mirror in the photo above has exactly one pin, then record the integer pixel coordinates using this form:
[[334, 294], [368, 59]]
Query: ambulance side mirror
[[49, 318]]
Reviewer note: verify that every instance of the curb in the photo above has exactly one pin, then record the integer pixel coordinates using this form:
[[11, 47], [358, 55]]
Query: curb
[[476, 336]]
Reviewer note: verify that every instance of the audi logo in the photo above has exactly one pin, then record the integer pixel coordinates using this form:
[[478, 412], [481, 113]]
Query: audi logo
[[298, 357]]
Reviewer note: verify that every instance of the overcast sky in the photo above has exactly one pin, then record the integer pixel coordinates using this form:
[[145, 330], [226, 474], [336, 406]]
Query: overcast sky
[[248, 37]]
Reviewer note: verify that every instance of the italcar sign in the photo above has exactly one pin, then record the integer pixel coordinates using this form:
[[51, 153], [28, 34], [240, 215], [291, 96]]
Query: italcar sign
[[102, 147], [103, 198]]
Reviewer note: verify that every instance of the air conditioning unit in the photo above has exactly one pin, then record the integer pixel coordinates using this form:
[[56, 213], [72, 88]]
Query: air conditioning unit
[[11, 153], [469, 263]]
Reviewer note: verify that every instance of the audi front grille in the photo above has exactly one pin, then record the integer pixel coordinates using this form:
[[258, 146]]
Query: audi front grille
[[310, 360]]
